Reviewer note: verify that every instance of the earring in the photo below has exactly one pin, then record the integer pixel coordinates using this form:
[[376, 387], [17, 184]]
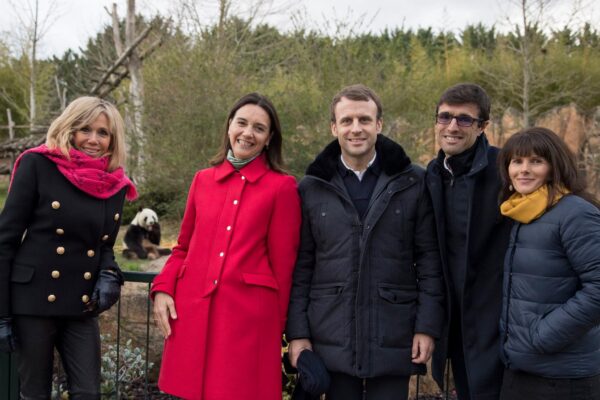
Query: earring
[[510, 188], [267, 146]]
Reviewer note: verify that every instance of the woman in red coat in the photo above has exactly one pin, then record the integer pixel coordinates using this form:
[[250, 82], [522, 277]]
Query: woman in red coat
[[221, 299]]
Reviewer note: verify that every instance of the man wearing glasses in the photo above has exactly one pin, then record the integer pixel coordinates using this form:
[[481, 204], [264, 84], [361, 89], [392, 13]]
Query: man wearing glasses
[[464, 184]]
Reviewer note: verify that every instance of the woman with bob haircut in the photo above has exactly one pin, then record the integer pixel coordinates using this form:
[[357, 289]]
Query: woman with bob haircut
[[221, 299], [57, 230], [550, 321]]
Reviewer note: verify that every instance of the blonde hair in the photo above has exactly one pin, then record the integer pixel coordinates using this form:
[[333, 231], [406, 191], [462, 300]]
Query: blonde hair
[[82, 112]]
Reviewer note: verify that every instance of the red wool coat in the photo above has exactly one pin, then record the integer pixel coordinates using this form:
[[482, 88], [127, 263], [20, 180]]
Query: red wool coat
[[230, 276]]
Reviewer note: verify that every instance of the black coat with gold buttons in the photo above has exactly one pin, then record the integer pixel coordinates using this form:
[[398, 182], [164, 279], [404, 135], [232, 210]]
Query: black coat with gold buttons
[[54, 240]]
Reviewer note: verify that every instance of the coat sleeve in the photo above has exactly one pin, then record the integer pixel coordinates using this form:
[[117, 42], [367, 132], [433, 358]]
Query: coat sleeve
[[165, 281], [297, 322], [283, 240], [107, 254], [14, 220], [580, 236], [428, 267]]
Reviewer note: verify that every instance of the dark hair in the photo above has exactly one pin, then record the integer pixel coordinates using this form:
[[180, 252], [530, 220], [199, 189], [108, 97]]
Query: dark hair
[[357, 92], [467, 93], [563, 166], [274, 157]]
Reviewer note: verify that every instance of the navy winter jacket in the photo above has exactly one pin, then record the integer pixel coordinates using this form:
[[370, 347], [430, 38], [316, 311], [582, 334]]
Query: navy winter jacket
[[362, 289], [486, 243], [550, 322]]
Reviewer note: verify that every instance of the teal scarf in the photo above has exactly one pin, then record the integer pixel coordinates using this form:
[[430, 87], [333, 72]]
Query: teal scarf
[[238, 163]]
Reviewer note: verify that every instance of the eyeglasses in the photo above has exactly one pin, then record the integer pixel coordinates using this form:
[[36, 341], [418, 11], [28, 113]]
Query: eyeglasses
[[445, 118]]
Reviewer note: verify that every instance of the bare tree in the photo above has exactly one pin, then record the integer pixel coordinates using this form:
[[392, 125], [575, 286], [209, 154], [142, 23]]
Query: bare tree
[[129, 64], [528, 83], [34, 26]]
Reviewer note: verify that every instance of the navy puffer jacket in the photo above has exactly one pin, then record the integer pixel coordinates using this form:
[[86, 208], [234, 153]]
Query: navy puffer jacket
[[550, 322], [363, 288]]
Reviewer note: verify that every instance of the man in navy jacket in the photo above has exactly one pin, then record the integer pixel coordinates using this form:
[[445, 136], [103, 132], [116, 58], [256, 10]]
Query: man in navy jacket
[[464, 184], [367, 294]]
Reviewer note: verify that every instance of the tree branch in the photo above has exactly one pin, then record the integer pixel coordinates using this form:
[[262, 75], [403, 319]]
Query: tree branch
[[120, 60]]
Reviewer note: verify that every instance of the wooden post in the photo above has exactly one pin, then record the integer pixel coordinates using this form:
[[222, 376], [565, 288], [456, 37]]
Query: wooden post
[[11, 124]]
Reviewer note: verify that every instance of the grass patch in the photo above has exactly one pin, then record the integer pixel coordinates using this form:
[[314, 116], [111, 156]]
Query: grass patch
[[129, 265], [4, 180]]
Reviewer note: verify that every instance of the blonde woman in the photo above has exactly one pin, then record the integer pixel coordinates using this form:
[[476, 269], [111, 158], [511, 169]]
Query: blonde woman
[[57, 230]]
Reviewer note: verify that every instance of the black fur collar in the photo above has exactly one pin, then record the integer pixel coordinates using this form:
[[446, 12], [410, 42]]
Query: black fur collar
[[391, 155]]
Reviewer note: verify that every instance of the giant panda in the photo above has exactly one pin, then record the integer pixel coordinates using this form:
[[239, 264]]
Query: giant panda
[[142, 237]]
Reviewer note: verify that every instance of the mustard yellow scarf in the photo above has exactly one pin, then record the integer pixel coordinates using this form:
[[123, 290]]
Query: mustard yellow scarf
[[529, 207]]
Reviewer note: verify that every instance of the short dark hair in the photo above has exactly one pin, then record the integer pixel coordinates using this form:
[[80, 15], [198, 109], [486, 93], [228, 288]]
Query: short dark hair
[[542, 142], [467, 93], [274, 157], [358, 92]]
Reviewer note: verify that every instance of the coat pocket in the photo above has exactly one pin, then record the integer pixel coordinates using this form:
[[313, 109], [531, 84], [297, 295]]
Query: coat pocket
[[396, 315], [22, 273], [260, 280], [328, 315]]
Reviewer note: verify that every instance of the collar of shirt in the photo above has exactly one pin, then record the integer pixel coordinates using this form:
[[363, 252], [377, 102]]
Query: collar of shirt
[[359, 174], [447, 166]]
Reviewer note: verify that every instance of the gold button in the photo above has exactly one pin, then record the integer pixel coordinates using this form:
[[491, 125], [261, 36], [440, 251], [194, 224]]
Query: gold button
[[90, 253], [117, 216], [87, 276], [52, 298], [60, 250], [60, 231], [85, 298], [105, 238], [55, 274], [55, 205]]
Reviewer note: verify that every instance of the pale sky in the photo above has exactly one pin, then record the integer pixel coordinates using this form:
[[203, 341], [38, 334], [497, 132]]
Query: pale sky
[[72, 22]]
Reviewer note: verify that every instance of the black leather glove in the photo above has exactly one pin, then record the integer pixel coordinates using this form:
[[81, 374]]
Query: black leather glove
[[107, 291], [7, 338]]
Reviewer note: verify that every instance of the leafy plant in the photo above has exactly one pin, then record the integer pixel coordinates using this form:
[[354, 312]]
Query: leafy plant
[[132, 367]]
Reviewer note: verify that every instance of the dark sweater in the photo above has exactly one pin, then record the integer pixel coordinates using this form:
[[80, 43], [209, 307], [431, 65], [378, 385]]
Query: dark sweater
[[360, 191]]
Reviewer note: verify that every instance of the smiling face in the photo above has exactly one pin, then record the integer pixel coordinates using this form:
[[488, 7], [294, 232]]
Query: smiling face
[[93, 139], [356, 127], [527, 174], [249, 131], [455, 139]]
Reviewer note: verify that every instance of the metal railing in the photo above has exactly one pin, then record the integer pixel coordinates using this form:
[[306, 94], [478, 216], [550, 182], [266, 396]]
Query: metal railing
[[9, 382], [142, 277], [8, 372]]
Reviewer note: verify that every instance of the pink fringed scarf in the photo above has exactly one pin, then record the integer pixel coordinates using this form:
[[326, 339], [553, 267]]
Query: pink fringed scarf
[[87, 173]]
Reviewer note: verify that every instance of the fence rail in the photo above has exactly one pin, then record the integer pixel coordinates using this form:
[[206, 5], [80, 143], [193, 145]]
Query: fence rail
[[8, 371], [9, 382]]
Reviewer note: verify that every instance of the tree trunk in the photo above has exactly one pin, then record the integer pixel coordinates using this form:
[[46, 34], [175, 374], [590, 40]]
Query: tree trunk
[[527, 61], [32, 67], [136, 95]]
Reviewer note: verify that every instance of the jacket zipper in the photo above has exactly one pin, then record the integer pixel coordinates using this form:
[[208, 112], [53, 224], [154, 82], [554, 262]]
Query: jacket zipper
[[360, 226], [508, 289]]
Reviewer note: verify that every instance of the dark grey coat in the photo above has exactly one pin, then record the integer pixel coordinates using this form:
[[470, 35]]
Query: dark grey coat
[[551, 305], [53, 214], [486, 243], [362, 289]]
